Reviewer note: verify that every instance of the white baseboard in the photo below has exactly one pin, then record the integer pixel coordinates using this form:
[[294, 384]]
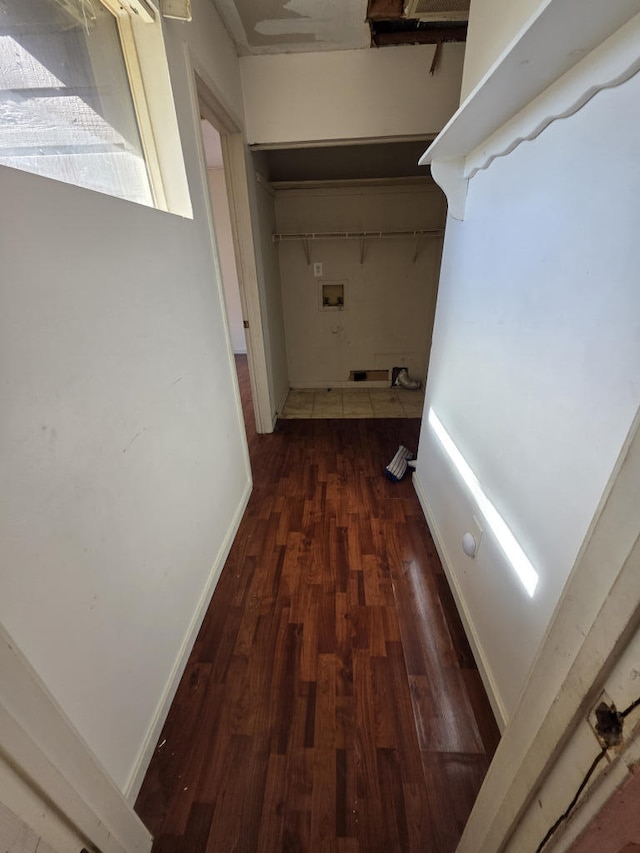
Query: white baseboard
[[143, 760], [476, 647], [280, 405], [343, 383]]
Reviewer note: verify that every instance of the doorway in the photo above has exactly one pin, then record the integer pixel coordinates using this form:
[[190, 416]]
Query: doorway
[[243, 271], [218, 197], [359, 232]]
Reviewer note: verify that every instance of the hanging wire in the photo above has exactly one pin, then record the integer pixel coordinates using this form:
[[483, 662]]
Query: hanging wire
[[628, 710], [552, 829], [573, 802]]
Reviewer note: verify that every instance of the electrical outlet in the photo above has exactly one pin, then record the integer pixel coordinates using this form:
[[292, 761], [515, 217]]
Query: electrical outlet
[[317, 269], [477, 531]]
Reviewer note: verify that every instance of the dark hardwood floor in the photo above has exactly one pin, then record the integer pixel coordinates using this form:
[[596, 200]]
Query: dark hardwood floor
[[331, 701]]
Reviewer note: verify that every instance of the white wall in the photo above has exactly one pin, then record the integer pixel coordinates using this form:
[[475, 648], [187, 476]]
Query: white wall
[[227, 258], [535, 364], [350, 94], [214, 53], [123, 454], [390, 300], [493, 24]]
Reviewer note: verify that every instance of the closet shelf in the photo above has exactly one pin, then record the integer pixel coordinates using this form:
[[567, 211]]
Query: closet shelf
[[417, 234], [516, 99]]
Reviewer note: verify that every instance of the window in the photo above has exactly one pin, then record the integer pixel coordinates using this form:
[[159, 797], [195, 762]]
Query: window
[[73, 104]]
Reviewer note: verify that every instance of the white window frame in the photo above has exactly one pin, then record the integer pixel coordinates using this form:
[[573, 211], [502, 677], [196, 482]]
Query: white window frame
[[140, 35], [140, 31]]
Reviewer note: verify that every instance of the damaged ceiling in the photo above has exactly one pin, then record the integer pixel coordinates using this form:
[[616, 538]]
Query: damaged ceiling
[[298, 26], [295, 26]]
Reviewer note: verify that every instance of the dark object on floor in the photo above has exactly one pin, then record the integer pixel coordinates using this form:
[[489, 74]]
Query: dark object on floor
[[397, 468], [403, 380], [394, 374]]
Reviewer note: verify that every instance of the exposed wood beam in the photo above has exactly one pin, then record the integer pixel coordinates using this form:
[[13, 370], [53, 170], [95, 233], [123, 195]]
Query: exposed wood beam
[[426, 35], [384, 10], [437, 56]]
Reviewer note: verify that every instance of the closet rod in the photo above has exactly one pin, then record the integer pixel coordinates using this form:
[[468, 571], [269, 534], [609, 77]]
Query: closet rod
[[358, 235]]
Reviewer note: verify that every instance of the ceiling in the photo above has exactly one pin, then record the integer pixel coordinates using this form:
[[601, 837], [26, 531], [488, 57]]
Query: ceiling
[[347, 162], [331, 162], [296, 26]]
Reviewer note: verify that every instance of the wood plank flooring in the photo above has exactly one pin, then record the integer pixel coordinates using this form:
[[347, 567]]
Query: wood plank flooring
[[331, 702]]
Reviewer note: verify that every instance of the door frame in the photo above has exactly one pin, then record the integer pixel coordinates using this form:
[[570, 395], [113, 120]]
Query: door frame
[[594, 623], [53, 771], [234, 158]]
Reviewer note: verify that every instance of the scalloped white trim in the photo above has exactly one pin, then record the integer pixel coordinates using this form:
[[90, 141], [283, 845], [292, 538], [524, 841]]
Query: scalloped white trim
[[614, 62], [610, 64]]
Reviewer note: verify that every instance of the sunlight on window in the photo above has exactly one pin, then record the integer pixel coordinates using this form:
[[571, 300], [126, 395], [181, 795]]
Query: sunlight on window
[[66, 110], [507, 541]]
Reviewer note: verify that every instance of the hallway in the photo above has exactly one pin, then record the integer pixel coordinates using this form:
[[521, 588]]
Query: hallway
[[331, 701]]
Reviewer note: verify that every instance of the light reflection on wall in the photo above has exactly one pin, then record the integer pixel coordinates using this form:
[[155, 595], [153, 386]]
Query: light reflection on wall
[[507, 541]]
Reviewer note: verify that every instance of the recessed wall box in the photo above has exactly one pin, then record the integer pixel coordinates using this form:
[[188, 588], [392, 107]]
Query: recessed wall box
[[332, 296]]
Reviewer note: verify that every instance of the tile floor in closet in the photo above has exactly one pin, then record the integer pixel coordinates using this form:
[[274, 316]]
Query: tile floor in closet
[[353, 403]]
